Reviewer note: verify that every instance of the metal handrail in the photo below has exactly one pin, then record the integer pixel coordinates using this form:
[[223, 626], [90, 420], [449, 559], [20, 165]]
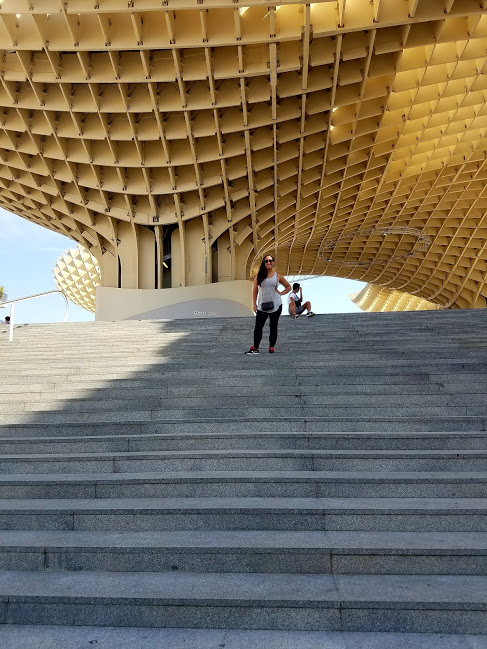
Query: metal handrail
[[12, 304]]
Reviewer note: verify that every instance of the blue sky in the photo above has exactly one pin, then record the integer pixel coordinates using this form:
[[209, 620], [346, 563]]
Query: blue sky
[[28, 253]]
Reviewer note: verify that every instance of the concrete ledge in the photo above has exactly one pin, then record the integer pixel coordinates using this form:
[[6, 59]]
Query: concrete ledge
[[444, 553], [224, 299], [62, 637], [246, 484], [205, 514], [248, 601]]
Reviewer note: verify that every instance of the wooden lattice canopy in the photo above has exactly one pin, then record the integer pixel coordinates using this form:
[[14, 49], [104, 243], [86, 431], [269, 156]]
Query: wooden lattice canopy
[[180, 139], [374, 298]]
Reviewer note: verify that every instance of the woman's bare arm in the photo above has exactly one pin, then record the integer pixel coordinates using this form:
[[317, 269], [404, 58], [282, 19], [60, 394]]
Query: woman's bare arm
[[255, 290], [285, 283]]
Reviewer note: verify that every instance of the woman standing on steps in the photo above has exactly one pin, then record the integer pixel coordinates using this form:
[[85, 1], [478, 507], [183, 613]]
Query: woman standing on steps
[[266, 299]]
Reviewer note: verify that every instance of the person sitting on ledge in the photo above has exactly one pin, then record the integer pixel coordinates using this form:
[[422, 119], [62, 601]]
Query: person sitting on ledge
[[296, 306]]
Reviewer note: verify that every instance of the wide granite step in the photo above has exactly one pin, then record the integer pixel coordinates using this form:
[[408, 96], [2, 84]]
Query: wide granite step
[[79, 637], [250, 460], [240, 484], [126, 441], [325, 552], [418, 603], [171, 514]]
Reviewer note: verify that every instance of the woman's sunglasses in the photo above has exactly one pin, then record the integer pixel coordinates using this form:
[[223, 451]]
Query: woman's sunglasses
[[268, 261]]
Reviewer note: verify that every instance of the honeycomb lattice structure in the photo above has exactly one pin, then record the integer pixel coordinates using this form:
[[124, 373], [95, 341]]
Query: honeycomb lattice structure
[[216, 130], [77, 274], [376, 298]]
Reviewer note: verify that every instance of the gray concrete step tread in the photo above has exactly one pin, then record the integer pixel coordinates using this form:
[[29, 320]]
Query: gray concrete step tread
[[193, 361], [145, 411], [462, 333], [203, 339], [331, 381], [475, 422], [228, 453], [240, 442], [243, 589], [231, 347], [245, 476], [210, 335], [359, 435], [283, 362], [190, 373], [167, 345], [251, 541], [295, 397], [453, 417], [94, 391], [259, 504], [274, 419], [228, 349], [83, 637]]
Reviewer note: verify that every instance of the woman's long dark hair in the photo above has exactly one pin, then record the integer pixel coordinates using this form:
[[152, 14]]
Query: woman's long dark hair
[[262, 274]]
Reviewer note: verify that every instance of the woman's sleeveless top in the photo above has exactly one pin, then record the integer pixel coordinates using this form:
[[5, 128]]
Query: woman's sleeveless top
[[267, 293]]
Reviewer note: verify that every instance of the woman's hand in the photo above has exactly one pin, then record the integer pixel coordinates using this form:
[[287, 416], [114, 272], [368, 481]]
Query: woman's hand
[[254, 307]]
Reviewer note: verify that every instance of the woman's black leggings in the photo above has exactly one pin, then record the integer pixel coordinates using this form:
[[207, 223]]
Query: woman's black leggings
[[260, 320]]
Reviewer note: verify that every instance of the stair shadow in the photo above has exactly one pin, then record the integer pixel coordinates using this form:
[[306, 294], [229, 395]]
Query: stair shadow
[[198, 359]]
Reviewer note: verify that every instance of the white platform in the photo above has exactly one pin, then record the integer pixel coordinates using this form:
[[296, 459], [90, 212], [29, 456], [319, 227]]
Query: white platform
[[219, 300]]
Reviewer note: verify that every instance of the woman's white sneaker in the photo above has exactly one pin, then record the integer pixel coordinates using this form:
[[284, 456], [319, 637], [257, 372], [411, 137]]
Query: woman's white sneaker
[[309, 314]]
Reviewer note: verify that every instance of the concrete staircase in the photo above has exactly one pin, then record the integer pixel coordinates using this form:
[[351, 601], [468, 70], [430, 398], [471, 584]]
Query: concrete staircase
[[333, 495]]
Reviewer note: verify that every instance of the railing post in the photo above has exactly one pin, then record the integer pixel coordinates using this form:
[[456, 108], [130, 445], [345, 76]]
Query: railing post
[[11, 330], [12, 304]]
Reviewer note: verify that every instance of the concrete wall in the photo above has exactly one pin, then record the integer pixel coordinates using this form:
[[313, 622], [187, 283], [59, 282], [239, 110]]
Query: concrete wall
[[206, 301]]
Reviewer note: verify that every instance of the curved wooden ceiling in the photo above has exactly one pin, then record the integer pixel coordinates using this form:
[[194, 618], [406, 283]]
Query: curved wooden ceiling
[[374, 298], [337, 134]]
